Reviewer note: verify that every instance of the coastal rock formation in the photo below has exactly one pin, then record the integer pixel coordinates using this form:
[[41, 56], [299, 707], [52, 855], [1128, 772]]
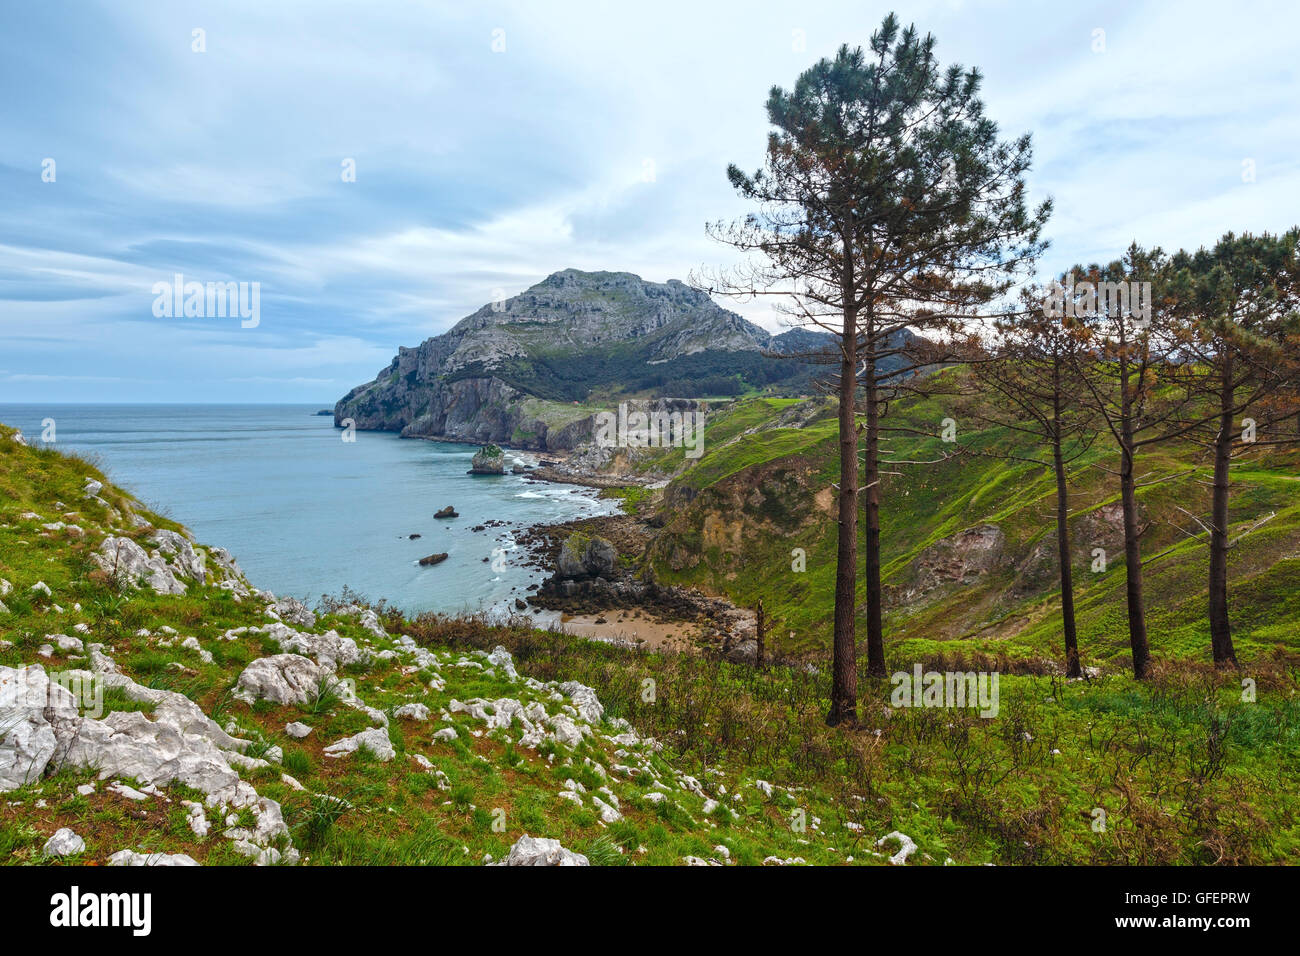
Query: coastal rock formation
[[514, 371], [488, 460], [586, 557], [270, 712]]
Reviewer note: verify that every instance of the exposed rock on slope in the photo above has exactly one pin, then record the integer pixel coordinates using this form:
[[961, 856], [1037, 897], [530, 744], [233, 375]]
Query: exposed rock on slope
[[958, 559]]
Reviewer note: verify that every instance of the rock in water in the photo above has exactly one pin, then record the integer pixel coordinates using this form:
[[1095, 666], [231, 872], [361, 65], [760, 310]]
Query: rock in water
[[449, 511], [489, 460], [433, 559]]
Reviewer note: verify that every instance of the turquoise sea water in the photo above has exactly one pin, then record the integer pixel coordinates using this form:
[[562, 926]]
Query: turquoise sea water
[[306, 513]]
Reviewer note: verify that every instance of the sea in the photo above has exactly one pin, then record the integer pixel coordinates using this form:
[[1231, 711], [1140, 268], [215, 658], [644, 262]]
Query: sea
[[308, 514]]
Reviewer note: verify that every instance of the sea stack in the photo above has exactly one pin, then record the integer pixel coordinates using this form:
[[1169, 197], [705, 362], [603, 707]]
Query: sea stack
[[489, 460]]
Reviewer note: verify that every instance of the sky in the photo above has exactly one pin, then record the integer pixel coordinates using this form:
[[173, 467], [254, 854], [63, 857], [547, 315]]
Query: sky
[[496, 143]]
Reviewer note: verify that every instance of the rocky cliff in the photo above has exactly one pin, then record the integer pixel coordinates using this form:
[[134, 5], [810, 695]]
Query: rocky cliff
[[516, 372]]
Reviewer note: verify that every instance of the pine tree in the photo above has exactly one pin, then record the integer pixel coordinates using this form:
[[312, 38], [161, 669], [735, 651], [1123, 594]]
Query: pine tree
[[1031, 374], [887, 203], [1236, 308]]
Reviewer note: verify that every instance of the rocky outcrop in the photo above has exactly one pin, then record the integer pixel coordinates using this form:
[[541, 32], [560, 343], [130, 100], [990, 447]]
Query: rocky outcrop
[[472, 382], [132, 858], [293, 611], [375, 740], [282, 679], [132, 566], [535, 851], [64, 843], [959, 559], [586, 557], [178, 743], [488, 460]]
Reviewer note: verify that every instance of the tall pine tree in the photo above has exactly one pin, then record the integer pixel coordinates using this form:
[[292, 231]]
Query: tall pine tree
[[888, 202]]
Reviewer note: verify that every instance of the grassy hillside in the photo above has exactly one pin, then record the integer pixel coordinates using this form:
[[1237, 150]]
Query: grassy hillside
[[460, 797], [763, 489], [695, 760]]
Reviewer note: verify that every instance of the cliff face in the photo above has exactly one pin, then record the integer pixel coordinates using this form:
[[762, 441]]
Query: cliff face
[[480, 380], [420, 405]]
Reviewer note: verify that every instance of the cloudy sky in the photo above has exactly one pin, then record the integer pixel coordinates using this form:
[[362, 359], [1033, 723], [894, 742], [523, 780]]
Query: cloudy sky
[[496, 143]]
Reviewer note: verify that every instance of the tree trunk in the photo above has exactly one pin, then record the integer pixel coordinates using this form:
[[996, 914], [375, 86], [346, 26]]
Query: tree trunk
[[1220, 631], [875, 598], [1073, 669], [844, 665], [1137, 623]]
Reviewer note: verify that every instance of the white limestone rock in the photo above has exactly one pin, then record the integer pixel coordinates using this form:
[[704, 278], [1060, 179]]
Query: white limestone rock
[[185, 560], [293, 611], [64, 843], [131, 565], [584, 699], [197, 819], [131, 858], [500, 657], [905, 843], [538, 851], [329, 649], [414, 711], [375, 740], [34, 713], [608, 814], [281, 679], [129, 793]]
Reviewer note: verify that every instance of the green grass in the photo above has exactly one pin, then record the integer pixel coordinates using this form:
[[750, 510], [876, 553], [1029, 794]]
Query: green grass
[[733, 520]]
